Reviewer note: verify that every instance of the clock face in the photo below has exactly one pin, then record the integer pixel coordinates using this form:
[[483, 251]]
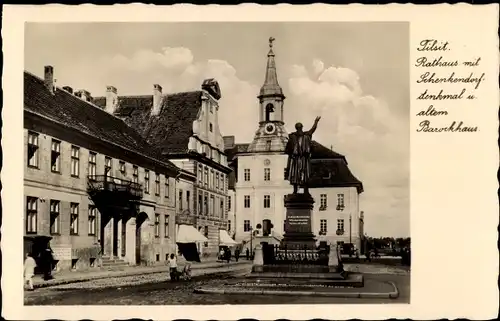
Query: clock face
[[270, 128], [267, 162]]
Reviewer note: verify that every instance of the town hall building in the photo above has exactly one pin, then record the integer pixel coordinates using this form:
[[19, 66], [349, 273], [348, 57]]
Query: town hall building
[[260, 182]]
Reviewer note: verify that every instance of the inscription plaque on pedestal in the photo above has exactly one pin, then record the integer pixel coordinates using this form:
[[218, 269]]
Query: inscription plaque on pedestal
[[298, 231]]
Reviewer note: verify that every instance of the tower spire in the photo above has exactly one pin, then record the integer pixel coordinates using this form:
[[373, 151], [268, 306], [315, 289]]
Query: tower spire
[[271, 86]]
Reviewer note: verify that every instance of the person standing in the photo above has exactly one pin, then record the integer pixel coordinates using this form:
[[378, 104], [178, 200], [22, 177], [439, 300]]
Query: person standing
[[29, 271], [247, 254], [236, 254], [47, 262], [172, 263]]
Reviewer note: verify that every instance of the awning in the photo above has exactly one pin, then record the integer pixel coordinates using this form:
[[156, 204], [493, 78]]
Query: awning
[[225, 239], [188, 234]]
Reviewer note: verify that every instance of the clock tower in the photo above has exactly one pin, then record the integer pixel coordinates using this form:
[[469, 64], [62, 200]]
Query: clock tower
[[271, 135]]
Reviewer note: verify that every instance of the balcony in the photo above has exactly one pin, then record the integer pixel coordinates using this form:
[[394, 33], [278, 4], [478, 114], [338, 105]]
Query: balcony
[[114, 188]]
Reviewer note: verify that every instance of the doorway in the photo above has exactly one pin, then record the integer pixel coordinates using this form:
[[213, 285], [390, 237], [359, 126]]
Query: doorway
[[140, 219]]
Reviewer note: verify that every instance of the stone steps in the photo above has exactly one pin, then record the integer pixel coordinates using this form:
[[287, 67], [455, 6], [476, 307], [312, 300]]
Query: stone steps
[[113, 263]]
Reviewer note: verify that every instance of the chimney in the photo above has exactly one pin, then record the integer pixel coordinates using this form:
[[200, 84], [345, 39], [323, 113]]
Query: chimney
[[157, 90], [49, 78], [228, 142], [68, 89], [111, 99]]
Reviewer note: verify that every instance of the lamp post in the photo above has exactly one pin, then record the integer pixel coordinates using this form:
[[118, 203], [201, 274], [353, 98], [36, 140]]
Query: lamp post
[[251, 237], [350, 234]]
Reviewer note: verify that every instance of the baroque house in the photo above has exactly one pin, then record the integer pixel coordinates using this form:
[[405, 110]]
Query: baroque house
[[260, 176], [95, 190], [185, 128]]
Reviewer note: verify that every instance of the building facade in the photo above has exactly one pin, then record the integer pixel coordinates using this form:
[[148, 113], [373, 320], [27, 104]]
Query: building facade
[[185, 127], [94, 188], [260, 175]]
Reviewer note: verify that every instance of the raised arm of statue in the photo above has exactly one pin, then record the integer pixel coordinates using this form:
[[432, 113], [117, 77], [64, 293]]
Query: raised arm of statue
[[313, 128]]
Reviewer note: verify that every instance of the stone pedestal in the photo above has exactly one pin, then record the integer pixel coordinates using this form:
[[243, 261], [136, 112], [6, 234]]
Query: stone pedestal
[[298, 231]]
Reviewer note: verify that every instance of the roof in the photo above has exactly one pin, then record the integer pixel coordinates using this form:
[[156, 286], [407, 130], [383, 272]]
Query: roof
[[331, 173], [171, 129], [319, 151], [63, 107], [328, 168]]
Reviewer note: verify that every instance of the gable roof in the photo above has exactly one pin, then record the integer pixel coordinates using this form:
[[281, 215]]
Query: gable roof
[[65, 108], [170, 130]]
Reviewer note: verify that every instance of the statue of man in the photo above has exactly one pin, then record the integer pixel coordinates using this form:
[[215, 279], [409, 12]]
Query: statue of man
[[298, 150]]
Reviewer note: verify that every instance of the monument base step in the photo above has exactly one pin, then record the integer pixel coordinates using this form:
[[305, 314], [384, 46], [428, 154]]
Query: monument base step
[[355, 280]]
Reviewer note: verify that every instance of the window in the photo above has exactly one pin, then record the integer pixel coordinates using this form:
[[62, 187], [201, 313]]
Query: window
[[108, 165], [229, 203], [222, 208], [200, 174], [340, 225], [146, 181], [268, 144], [246, 226], [267, 174], [33, 150], [229, 225], [180, 200], [75, 161], [246, 174], [167, 187], [55, 156], [323, 226], [221, 186], [73, 219], [200, 204], [267, 201], [31, 214], [55, 217], [212, 179], [212, 205], [205, 204], [340, 202], [217, 180], [92, 220], [323, 202], [211, 127], [135, 174], [166, 231], [92, 165], [157, 225], [206, 232], [285, 173], [188, 200], [246, 201], [157, 184], [123, 168], [206, 176]]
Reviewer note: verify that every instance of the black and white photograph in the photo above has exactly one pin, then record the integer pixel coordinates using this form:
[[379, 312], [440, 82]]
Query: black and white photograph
[[210, 163]]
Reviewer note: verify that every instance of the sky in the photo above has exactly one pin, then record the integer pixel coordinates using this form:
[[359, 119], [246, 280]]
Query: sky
[[355, 75]]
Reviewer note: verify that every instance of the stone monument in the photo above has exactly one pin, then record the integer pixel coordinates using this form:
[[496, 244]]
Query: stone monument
[[299, 206]]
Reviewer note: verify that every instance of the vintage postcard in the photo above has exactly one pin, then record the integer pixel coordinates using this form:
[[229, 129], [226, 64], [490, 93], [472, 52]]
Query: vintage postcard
[[265, 162]]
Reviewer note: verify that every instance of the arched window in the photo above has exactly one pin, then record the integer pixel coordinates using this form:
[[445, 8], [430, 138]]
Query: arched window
[[269, 111]]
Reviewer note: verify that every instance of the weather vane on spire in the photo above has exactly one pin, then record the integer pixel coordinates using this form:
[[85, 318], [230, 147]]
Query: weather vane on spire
[[271, 39]]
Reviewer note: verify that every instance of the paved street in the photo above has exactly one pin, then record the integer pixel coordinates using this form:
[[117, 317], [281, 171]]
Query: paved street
[[156, 289]]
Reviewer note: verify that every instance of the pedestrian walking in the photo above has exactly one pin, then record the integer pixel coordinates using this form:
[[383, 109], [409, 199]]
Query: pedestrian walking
[[29, 271], [228, 255], [172, 263], [248, 254]]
